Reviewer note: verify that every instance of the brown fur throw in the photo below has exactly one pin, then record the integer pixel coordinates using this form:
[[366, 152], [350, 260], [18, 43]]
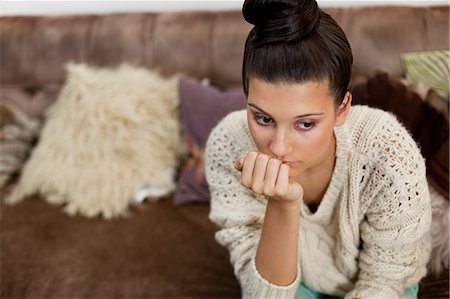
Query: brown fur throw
[[439, 232]]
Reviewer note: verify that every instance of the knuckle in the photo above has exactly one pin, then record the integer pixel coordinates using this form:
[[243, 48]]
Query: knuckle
[[252, 154], [274, 162], [268, 191], [245, 182], [262, 162], [263, 156], [257, 188]]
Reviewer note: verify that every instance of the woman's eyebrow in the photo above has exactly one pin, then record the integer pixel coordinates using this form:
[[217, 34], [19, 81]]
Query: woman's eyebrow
[[298, 116]]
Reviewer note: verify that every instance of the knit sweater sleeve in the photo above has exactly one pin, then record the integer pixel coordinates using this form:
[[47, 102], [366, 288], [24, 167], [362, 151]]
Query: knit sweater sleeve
[[395, 229], [237, 211]]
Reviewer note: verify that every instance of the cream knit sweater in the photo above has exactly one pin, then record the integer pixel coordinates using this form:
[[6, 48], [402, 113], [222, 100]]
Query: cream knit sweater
[[369, 238]]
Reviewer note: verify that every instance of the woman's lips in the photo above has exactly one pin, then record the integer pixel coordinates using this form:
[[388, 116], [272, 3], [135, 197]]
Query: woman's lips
[[290, 163]]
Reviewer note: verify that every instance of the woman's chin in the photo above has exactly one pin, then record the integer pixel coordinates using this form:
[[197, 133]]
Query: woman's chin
[[295, 171]]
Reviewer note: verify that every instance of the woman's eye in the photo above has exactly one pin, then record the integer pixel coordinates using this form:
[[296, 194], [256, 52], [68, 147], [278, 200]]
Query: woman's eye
[[305, 126], [263, 120]]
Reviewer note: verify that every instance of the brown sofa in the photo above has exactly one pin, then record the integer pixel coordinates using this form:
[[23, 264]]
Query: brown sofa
[[161, 251]]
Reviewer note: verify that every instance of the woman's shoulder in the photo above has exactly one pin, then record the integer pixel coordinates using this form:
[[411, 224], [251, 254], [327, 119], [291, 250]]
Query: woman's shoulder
[[231, 135], [362, 116], [368, 126], [232, 127], [234, 120], [384, 140]]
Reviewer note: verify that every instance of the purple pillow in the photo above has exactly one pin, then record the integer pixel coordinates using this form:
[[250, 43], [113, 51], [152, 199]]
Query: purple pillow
[[202, 107]]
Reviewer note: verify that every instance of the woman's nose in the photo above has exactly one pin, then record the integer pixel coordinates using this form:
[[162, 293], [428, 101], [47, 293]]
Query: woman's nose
[[280, 145]]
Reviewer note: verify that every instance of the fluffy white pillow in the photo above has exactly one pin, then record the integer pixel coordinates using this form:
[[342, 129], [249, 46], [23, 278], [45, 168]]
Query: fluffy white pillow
[[110, 133]]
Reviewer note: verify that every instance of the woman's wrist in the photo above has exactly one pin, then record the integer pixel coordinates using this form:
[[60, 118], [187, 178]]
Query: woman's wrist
[[286, 205], [279, 235]]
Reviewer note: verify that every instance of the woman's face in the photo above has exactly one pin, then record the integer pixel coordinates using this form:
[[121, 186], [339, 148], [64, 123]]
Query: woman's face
[[294, 122]]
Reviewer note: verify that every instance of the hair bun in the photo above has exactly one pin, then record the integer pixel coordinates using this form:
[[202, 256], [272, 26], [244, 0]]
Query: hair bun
[[281, 20]]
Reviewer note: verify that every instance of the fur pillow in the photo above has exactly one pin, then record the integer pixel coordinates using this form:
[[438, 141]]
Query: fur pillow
[[18, 134], [110, 133]]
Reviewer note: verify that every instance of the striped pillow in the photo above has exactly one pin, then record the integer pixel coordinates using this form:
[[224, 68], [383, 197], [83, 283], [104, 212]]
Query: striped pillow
[[431, 68]]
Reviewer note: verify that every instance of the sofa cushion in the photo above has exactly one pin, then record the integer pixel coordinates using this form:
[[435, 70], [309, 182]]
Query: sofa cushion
[[110, 133], [430, 68], [202, 107]]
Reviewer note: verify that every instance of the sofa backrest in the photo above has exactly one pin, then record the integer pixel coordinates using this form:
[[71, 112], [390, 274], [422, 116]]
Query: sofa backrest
[[33, 50]]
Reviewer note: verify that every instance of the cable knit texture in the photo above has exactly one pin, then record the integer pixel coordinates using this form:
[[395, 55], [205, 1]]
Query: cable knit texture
[[369, 238]]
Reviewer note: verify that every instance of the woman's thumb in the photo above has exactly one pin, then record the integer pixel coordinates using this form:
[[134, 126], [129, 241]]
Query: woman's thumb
[[239, 164]]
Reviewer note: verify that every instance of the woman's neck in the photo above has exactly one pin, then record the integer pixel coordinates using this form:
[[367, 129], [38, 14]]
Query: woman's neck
[[315, 181]]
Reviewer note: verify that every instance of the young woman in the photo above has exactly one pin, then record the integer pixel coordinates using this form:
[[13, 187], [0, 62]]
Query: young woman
[[314, 196]]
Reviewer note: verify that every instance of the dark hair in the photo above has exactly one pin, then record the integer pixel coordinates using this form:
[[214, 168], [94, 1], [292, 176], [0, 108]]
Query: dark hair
[[294, 41]]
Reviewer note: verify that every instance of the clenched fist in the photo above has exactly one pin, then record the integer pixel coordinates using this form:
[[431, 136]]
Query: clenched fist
[[268, 176]]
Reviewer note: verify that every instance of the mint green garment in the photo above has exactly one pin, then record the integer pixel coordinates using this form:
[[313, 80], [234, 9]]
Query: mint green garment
[[303, 292]]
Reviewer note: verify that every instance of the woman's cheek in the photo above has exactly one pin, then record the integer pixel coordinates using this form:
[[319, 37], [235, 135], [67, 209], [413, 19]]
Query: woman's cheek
[[319, 144], [261, 138]]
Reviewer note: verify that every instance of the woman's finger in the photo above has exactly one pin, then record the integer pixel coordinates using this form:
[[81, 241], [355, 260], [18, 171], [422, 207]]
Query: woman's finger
[[239, 164], [247, 169], [282, 183], [259, 173], [270, 179]]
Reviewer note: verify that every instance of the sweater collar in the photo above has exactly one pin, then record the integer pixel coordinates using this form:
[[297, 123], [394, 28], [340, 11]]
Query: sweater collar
[[338, 178]]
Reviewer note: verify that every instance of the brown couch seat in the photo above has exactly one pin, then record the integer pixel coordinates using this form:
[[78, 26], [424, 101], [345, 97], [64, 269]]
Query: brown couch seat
[[159, 251]]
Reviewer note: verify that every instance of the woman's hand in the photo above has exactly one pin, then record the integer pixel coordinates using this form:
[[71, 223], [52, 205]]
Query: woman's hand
[[268, 176]]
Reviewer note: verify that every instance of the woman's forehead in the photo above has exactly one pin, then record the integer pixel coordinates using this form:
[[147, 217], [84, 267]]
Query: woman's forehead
[[310, 93]]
